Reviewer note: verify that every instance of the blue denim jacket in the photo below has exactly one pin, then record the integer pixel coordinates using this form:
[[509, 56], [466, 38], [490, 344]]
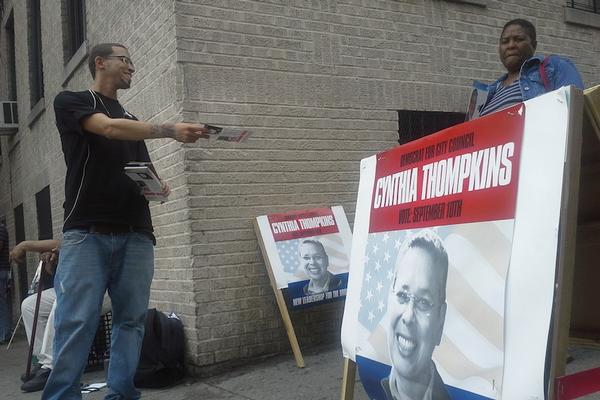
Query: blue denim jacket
[[559, 70]]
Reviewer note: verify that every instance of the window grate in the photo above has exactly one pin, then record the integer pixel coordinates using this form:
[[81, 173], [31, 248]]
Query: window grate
[[585, 5], [12, 69], [75, 15], [36, 68], [44, 213], [414, 125]]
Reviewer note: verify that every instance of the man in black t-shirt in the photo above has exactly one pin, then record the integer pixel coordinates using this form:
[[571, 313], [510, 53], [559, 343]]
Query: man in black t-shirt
[[108, 240]]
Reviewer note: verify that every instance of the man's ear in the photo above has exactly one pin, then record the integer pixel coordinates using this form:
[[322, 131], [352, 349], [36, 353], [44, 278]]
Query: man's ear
[[99, 62]]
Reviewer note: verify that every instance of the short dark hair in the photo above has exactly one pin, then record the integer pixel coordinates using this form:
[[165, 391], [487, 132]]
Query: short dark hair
[[429, 241], [527, 26], [100, 50], [315, 243]]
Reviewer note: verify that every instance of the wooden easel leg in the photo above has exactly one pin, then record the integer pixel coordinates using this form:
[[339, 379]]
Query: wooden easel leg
[[348, 379], [285, 315], [289, 328]]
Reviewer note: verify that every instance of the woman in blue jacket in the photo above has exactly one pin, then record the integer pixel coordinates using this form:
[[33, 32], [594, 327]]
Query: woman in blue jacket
[[527, 76]]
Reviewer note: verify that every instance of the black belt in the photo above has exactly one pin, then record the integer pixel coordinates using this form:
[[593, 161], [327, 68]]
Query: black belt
[[106, 229], [111, 229]]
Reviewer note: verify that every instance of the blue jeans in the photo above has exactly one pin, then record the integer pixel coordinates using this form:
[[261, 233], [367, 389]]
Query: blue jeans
[[4, 311], [89, 264]]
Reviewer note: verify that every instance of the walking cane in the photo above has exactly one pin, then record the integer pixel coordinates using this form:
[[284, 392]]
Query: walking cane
[[10, 296], [14, 332], [40, 289]]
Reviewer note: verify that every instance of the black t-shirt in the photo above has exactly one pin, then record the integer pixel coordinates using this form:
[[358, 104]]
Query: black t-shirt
[[96, 188]]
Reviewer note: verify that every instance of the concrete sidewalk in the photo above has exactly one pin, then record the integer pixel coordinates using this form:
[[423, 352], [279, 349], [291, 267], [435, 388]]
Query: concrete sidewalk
[[274, 379]]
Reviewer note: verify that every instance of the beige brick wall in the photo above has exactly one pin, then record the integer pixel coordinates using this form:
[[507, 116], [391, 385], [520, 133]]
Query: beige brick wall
[[147, 28], [33, 158], [318, 83]]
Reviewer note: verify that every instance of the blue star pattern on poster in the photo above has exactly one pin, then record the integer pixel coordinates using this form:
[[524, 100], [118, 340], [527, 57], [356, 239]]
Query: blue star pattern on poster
[[288, 253], [380, 258]]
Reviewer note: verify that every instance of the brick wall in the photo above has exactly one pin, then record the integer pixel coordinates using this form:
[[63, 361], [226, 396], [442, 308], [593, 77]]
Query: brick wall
[[33, 158], [147, 28], [318, 83]]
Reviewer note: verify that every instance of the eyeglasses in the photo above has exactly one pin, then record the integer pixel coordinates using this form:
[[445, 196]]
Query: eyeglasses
[[314, 258], [421, 304], [124, 59]]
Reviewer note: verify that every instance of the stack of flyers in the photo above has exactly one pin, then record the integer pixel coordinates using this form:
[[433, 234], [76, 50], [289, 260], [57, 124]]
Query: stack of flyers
[[144, 176], [227, 134]]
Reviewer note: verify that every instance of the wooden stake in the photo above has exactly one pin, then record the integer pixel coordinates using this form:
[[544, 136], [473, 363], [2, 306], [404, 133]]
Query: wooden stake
[[348, 379], [566, 245], [285, 316]]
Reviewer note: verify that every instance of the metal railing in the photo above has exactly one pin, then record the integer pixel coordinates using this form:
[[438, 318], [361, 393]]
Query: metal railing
[[585, 5]]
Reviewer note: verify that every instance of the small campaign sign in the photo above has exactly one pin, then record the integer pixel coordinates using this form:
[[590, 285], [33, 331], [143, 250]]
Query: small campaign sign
[[308, 252]]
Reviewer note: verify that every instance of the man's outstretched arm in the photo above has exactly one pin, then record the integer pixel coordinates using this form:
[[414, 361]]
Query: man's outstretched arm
[[127, 129]]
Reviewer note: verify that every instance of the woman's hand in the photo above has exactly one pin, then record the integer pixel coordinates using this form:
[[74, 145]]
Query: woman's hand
[[50, 260], [17, 254]]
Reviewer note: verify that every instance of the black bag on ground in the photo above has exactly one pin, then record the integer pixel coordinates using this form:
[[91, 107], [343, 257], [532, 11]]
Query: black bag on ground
[[161, 359]]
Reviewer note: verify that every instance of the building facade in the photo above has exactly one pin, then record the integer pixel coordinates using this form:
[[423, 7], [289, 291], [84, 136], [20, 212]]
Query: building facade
[[320, 83]]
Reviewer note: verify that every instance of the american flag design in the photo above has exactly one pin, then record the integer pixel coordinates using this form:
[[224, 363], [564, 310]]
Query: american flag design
[[471, 352]]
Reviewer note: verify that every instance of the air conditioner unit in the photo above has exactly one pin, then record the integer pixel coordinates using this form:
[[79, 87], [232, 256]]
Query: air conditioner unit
[[9, 118]]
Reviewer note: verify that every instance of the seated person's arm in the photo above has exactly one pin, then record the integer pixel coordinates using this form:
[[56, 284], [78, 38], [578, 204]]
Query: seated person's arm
[[17, 255], [127, 129]]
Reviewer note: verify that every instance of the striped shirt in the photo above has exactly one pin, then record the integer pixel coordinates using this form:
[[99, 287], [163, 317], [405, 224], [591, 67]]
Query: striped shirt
[[504, 97]]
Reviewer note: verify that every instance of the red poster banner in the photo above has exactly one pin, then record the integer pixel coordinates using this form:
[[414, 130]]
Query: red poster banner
[[467, 173], [301, 224]]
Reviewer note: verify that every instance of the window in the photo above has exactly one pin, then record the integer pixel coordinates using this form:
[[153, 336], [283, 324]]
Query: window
[[74, 27], [36, 70], [585, 5], [44, 213], [11, 62], [75, 49], [413, 125]]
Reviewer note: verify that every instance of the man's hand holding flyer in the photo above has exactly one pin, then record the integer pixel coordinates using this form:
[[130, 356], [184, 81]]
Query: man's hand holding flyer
[[150, 185], [227, 134]]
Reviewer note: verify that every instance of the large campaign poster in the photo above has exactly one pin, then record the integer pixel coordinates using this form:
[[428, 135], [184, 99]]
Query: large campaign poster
[[308, 253], [435, 305]]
